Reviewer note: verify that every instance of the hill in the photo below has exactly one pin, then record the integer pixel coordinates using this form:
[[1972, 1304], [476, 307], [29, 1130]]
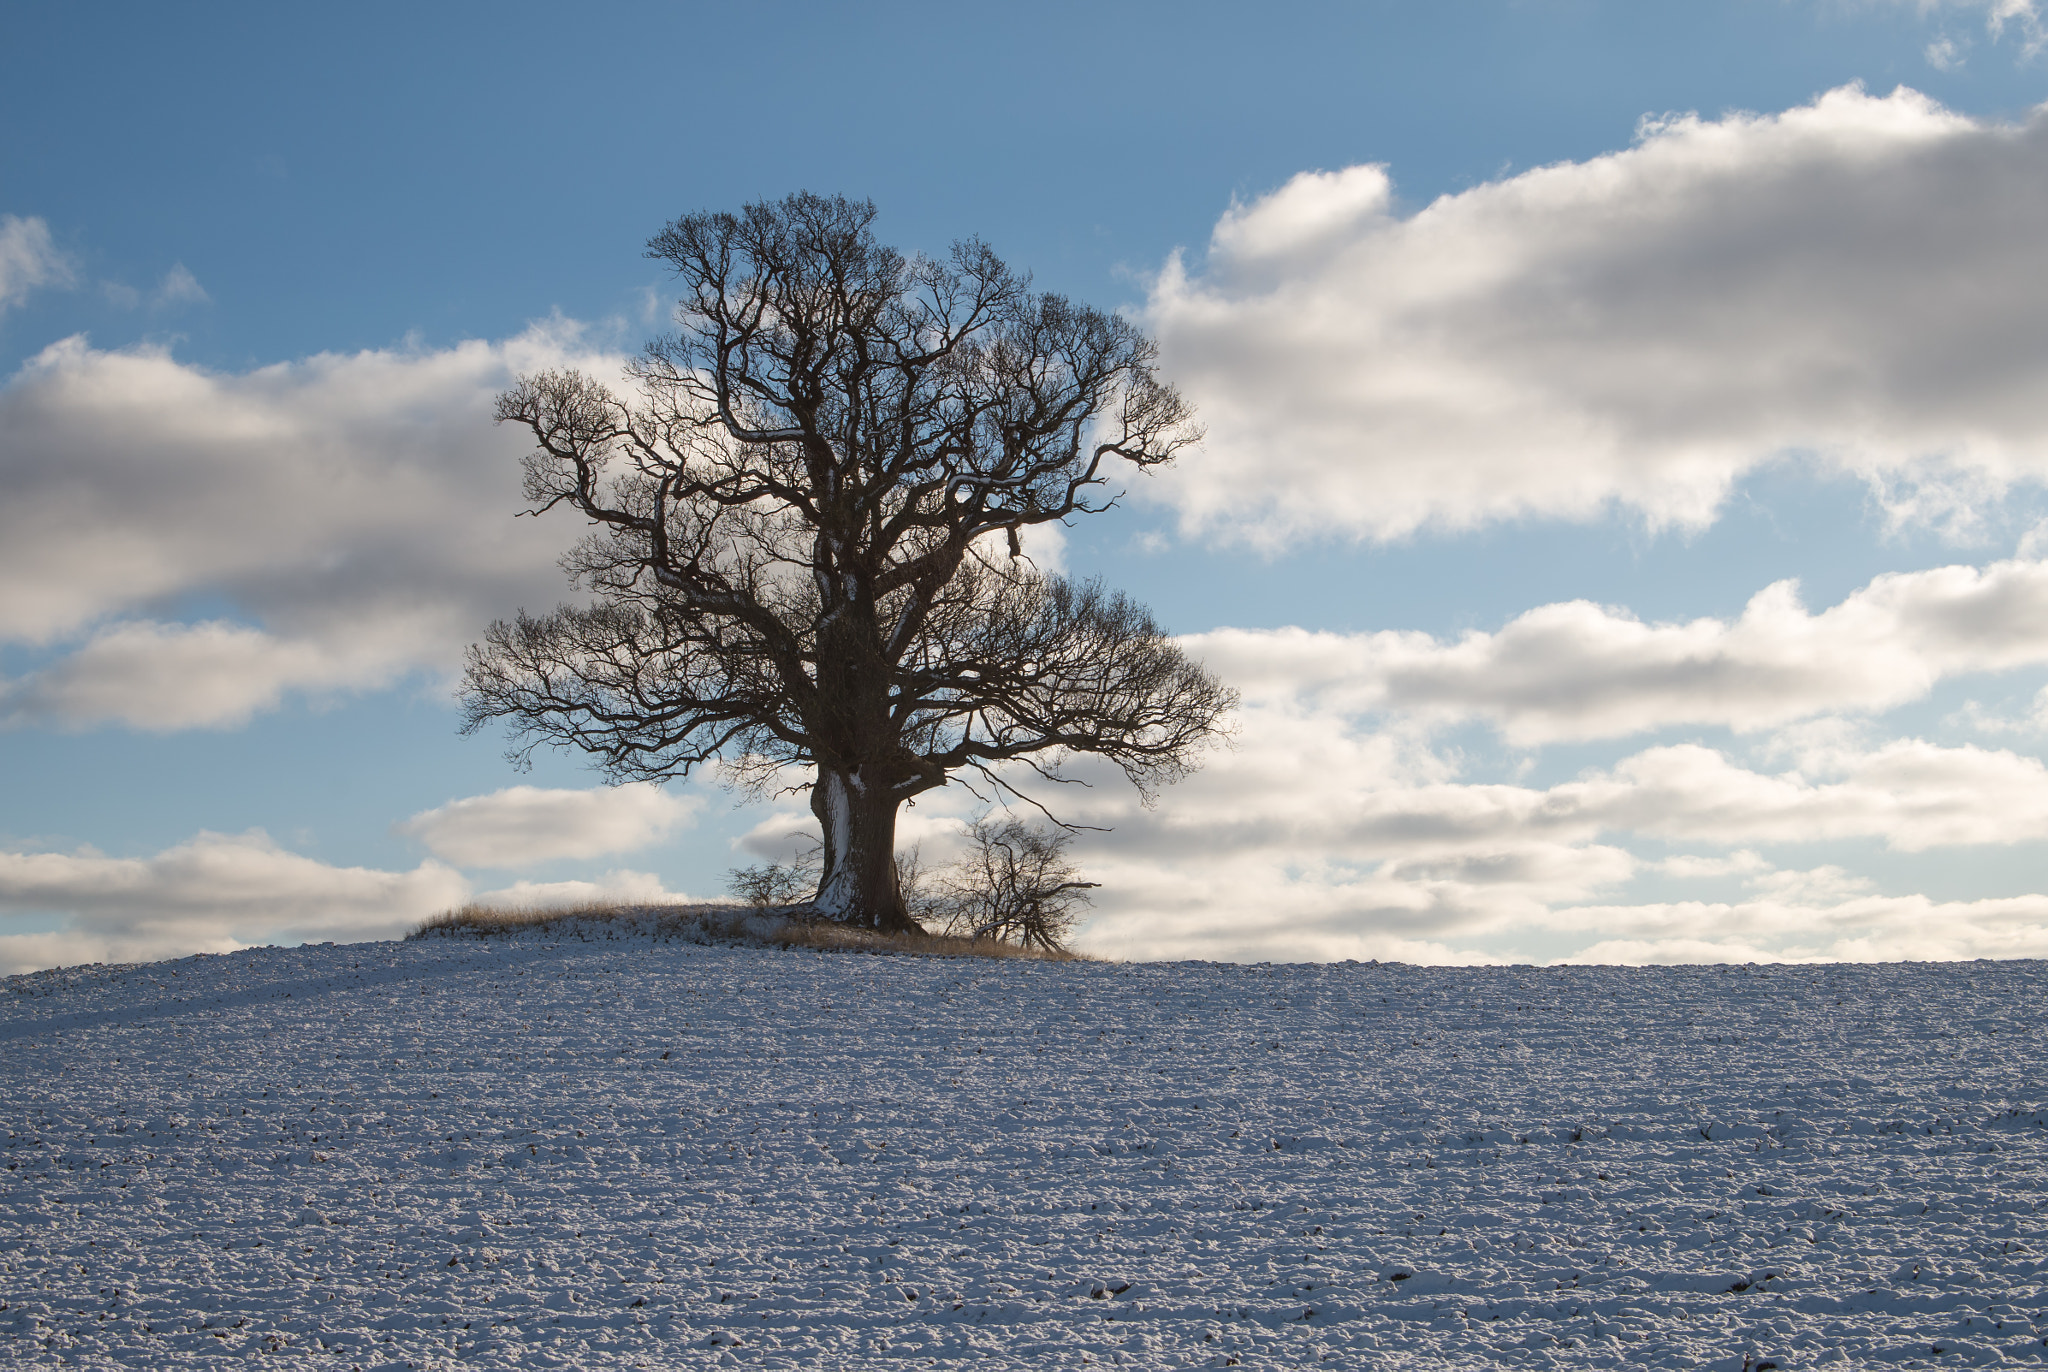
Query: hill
[[535, 1153]]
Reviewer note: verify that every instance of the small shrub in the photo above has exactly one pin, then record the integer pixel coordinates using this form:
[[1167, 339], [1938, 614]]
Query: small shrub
[[920, 887]]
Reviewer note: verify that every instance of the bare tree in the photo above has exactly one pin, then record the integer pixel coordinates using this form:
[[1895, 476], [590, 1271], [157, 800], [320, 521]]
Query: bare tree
[[917, 886], [807, 552], [1014, 884], [772, 884]]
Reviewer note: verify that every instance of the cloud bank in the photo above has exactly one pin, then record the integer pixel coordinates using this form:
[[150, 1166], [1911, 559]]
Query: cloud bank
[[1576, 671], [1337, 826], [1313, 841], [218, 892], [1856, 280], [356, 511], [525, 826], [213, 893]]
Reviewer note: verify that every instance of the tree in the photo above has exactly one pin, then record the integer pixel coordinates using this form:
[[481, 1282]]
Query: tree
[[917, 888], [1014, 884], [808, 549], [770, 885]]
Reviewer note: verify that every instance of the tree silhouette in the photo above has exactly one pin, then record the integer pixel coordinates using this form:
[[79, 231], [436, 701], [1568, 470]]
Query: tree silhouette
[[807, 552]]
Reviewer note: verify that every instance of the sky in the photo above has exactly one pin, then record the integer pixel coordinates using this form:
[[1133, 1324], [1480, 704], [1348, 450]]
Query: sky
[[1623, 511]]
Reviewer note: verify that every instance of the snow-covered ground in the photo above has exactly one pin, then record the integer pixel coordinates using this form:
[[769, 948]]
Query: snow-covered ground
[[442, 1154]]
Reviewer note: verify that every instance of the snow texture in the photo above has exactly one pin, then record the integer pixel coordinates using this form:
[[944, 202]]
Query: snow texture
[[550, 1154]]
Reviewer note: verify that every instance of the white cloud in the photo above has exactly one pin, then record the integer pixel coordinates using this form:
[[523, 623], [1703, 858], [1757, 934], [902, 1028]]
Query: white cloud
[[209, 675], [179, 287], [1740, 862], [1532, 904], [1515, 881], [1235, 902], [2035, 722], [214, 893], [357, 510], [620, 886], [1858, 929], [1908, 793], [1576, 670], [1856, 278], [2000, 16], [29, 259], [1320, 835], [218, 892], [523, 826], [1944, 54]]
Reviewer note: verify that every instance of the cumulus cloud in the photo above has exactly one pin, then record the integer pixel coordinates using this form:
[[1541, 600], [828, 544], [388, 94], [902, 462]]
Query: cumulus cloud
[[1855, 279], [1530, 904], [1231, 904], [214, 893], [29, 259], [213, 674], [1909, 794], [356, 511], [1577, 670], [524, 826], [1329, 832]]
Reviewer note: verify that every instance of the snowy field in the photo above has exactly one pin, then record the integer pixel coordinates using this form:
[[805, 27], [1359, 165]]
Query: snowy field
[[437, 1155]]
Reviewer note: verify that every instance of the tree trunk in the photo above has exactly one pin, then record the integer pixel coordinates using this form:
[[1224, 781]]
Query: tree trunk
[[858, 884]]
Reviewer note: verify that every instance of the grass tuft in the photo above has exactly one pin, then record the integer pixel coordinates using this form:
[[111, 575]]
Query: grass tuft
[[746, 925]]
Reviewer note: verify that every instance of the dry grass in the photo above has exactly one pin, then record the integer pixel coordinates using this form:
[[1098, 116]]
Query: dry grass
[[728, 924]]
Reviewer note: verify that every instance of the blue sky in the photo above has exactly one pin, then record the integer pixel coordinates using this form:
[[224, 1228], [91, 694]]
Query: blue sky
[[1536, 342]]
